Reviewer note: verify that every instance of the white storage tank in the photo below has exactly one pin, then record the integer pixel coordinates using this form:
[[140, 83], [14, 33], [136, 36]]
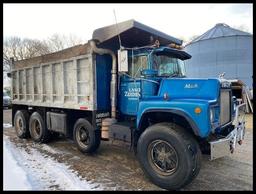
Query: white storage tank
[[221, 49]]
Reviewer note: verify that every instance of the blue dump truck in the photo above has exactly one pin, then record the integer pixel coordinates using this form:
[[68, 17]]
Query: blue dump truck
[[128, 84]]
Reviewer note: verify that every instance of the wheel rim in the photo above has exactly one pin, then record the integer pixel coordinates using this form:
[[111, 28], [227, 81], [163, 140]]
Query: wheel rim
[[162, 157], [82, 136], [36, 128], [19, 125]]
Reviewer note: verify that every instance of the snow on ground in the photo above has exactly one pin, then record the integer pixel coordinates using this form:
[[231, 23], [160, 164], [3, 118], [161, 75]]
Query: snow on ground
[[49, 149], [28, 169], [15, 178], [7, 125]]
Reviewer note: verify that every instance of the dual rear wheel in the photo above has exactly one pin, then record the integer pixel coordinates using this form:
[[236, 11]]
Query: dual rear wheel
[[85, 137], [32, 126]]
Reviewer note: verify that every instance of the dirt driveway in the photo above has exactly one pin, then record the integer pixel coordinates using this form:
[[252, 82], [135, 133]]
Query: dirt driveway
[[116, 167]]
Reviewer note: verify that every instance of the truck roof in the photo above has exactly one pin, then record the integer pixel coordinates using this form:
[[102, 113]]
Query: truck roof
[[128, 30]]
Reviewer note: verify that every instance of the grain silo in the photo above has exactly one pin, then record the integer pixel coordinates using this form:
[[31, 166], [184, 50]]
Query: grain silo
[[222, 49]]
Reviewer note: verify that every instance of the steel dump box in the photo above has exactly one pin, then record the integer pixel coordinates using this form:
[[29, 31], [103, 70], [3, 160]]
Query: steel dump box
[[64, 79]]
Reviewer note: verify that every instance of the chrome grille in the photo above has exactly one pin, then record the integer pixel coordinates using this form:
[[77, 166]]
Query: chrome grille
[[225, 107]]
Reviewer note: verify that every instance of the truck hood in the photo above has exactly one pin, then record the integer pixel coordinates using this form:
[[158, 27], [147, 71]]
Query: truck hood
[[187, 88]]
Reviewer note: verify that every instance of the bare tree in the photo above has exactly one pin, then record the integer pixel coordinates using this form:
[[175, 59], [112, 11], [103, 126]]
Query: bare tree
[[21, 49], [32, 48], [58, 42], [10, 49], [73, 40], [55, 42]]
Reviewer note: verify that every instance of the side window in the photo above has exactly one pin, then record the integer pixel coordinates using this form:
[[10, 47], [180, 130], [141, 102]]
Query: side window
[[137, 64]]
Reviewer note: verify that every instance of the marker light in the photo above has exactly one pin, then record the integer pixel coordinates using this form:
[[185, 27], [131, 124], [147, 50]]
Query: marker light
[[198, 110], [173, 45]]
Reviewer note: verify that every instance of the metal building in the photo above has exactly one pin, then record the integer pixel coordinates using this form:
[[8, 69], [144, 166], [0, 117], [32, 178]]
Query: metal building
[[222, 49]]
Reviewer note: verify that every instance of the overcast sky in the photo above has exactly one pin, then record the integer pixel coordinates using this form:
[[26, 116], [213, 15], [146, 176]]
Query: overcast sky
[[179, 20]]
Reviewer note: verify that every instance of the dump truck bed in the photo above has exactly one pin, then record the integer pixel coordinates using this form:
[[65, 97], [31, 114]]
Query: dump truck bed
[[63, 79], [67, 79]]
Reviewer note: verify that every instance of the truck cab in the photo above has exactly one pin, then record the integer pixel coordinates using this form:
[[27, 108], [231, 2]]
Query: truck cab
[[165, 108], [146, 69], [155, 85]]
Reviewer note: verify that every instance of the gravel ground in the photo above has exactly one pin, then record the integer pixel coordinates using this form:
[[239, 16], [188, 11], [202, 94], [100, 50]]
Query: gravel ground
[[116, 167]]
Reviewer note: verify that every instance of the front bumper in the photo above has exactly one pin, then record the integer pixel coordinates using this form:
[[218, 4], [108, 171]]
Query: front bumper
[[225, 146]]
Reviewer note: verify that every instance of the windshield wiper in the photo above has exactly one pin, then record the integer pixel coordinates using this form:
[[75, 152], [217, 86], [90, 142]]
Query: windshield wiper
[[174, 74], [164, 75]]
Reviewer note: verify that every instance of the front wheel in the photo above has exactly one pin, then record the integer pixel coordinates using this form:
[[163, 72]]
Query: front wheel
[[169, 155]]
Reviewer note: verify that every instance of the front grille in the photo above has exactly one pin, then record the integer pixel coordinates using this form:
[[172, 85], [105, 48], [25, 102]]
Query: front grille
[[225, 106]]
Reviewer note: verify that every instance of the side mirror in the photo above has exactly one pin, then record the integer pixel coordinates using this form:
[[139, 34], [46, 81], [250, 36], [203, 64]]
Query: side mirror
[[122, 61]]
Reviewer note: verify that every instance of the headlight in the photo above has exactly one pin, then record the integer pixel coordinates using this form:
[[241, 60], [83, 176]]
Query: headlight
[[234, 103], [214, 114]]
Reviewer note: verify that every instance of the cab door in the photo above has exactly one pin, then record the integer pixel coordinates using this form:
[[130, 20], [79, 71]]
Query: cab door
[[130, 85]]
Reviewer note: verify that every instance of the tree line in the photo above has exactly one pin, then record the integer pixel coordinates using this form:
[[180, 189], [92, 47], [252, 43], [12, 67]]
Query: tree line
[[24, 48]]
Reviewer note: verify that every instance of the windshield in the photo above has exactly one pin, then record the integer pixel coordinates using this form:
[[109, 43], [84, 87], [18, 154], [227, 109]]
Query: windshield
[[168, 66], [136, 65]]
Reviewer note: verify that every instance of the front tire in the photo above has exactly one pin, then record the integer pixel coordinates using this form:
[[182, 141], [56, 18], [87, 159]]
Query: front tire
[[85, 137], [169, 155]]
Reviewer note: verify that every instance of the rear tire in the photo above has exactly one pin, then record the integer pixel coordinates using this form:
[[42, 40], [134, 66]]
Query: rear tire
[[86, 138], [169, 155], [38, 131], [21, 123]]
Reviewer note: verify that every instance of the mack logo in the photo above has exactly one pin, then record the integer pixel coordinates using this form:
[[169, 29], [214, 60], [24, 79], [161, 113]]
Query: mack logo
[[191, 86]]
